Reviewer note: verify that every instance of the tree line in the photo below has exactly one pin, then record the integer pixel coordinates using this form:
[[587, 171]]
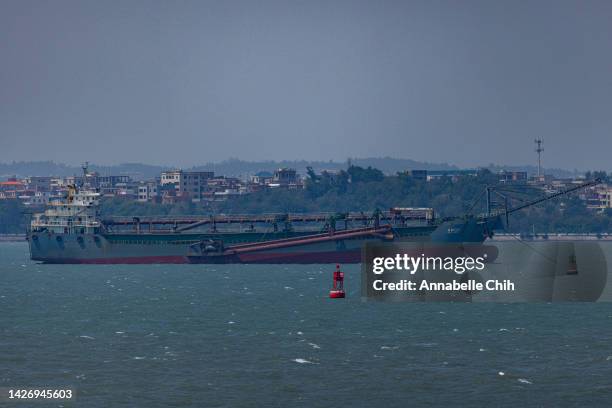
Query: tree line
[[367, 189]]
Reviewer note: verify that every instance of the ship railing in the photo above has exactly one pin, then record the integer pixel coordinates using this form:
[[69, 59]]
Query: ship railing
[[418, 214], [65, 224], [73, 204]]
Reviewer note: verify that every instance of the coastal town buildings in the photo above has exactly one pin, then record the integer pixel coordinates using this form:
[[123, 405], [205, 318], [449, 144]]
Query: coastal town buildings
[[205, 186]]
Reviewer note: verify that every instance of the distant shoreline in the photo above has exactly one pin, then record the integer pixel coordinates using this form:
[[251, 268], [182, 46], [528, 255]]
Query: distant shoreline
[[12, 237], [496, 237], [561, 236]]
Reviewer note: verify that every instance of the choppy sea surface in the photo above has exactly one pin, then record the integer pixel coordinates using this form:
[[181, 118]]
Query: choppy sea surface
[[248, 336]]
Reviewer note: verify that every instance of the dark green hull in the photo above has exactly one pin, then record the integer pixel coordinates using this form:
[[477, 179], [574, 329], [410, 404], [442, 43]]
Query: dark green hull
[[148, 248]]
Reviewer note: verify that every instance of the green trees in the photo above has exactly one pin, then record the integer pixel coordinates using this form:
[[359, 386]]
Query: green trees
[[13, 219], [364, 189], [602, 175], [340, 192], [360, 175], [125, 207]]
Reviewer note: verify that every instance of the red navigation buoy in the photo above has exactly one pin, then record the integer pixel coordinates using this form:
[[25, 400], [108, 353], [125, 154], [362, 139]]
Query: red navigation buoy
[[337, 291]]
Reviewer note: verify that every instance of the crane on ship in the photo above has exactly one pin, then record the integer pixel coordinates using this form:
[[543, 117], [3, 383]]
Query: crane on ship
[[476, 228]]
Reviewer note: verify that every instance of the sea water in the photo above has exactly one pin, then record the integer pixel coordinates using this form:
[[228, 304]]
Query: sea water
[[264, 335]]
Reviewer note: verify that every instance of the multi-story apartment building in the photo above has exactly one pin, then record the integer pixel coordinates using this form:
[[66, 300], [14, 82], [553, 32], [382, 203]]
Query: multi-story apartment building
[[598, 198], [38, 183], [12, 185], [148, 191], [285, 177], [193, 184]]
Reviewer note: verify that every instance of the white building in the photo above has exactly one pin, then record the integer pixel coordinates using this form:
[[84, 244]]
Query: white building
[[599, 197], [147, 191]]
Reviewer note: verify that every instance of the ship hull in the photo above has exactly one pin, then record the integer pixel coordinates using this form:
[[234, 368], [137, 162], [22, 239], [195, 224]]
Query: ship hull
[[130, 260], [177, 248], [98, 249], [285, 258]]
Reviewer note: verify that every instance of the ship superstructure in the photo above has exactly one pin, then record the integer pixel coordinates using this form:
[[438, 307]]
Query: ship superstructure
[[79, 213]]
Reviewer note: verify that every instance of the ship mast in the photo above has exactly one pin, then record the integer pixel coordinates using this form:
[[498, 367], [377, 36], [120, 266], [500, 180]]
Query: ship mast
[[85, 167]]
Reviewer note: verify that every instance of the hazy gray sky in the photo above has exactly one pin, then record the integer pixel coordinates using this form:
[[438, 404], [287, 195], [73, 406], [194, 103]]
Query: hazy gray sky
[[187, 82]]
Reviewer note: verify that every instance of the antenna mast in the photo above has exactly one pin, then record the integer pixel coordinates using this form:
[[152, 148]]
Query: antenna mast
[[539, 149]]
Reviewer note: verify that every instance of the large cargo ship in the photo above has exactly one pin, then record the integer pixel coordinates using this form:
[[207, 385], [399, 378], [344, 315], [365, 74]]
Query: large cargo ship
[[72, 231]]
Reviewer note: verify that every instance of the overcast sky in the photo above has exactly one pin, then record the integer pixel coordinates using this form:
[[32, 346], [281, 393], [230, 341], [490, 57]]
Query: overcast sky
[[187, 82]]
